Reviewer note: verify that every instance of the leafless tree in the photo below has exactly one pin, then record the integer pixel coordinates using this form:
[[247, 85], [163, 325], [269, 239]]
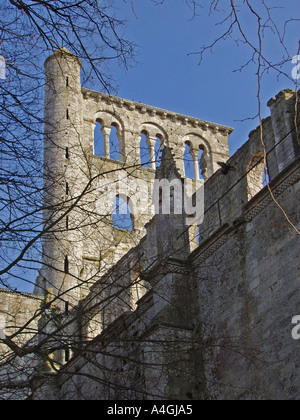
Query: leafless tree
[[252, 27], [29, 32]]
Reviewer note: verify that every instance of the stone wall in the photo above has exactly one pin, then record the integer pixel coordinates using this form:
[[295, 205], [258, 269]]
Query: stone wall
[[80, 243], [248, 283], [214, 323], [149, 313], [19, 314]]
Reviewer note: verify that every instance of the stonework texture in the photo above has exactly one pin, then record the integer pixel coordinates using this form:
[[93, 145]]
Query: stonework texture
[[164, 310]]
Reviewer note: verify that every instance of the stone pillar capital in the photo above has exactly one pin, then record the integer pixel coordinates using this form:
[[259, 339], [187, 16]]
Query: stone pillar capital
[[194, 152], [151, 141], [106, 130]]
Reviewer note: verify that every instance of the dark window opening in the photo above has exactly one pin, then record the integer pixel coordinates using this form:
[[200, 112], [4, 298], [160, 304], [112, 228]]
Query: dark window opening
[[66, 307], [66, 265], [67, 355]]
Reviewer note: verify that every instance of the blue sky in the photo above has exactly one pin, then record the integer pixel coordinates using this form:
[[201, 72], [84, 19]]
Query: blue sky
[[167, 76]]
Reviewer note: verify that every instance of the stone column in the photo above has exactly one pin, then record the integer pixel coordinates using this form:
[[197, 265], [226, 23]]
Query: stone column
[[151, 142], [106, 134], [206, 165], [195, 156]]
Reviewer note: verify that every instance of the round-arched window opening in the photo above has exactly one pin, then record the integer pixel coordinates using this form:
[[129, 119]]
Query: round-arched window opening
[[122, 215], [144, 151]]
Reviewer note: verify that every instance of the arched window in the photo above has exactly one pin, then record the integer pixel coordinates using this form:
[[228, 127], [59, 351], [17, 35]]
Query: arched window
[[188, 162], [106, 141], [122, 216], [99, 140], [158, 150], [202, 163], [256, 177], [114, 143], [195, 161], [144, 151], [150, 150]]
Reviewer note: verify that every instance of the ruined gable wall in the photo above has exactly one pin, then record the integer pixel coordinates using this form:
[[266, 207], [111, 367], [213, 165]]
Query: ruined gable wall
[[248, 283], [245, 291], [247, 269], [103, 246]]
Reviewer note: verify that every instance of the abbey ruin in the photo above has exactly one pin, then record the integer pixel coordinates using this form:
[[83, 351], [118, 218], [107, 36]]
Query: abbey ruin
[[158, 308]]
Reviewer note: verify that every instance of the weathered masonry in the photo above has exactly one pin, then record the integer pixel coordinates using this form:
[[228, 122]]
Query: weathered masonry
[[153, 308], [72, 117]]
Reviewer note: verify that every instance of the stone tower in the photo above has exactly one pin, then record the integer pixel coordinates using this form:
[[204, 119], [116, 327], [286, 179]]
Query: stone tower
[[81, 241], [62, 178]]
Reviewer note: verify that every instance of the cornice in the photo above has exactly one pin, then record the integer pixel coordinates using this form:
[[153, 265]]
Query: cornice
[[157, 112]]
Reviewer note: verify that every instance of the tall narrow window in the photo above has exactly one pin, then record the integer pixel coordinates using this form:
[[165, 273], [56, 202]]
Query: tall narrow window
[[122, 216], [67, 354], [114, 143], [188, 162], [99, 140], [66, 265], [202, 164], [67, 153], [66, 307], [67, 81], [158, 149], [67, 114], [160, 202], [144, 151], [67, 189]]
